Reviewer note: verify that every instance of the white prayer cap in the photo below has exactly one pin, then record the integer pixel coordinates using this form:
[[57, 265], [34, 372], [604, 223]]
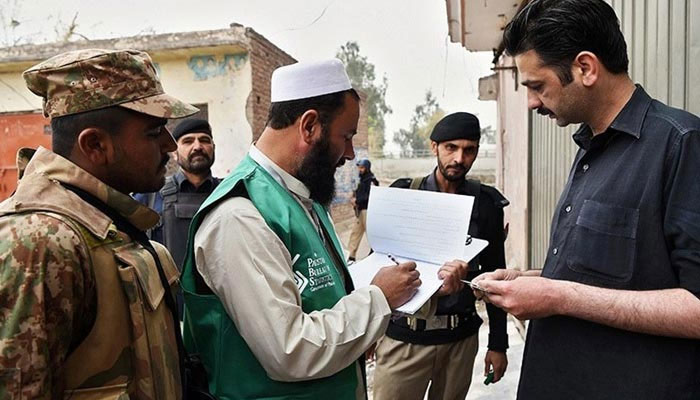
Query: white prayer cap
[[308, 79]]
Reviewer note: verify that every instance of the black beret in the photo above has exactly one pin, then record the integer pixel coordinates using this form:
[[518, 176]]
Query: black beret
[[192, 125], [459, 125]]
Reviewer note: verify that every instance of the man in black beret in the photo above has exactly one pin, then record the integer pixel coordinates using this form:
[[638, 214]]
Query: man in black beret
[[184, 192], [441, 350]]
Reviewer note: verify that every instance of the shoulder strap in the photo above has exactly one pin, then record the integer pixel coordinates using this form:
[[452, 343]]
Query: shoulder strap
[[416, 182], [402, 183], [151, 200], [169, 188], [498, 199]]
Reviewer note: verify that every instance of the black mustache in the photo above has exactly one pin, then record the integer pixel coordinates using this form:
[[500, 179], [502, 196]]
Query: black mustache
[[199, 153], [544, 111]]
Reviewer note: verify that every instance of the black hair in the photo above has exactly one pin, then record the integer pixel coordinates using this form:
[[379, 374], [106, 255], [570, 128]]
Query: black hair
[[65, 129], [285, 113], [560, 29]]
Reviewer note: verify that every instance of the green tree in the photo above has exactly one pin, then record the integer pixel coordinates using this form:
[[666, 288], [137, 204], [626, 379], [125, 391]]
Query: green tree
[[415, 141], [362, 76]]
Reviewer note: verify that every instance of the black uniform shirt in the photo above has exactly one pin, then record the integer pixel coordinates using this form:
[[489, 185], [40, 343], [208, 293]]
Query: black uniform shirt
[[489, 219], [628, 219], [363, 187], [186, 186]]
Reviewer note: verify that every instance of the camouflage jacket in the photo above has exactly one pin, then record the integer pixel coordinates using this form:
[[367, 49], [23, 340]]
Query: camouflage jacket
[[81, 304]]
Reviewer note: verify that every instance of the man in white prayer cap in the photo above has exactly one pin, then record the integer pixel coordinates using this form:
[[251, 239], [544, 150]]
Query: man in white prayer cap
[[269, 303]]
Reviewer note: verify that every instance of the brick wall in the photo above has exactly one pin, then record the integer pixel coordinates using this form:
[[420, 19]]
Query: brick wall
[[265, 57], [361, 140]]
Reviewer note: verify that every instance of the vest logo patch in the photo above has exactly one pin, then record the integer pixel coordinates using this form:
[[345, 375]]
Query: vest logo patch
[[300, 280], [319, 273]]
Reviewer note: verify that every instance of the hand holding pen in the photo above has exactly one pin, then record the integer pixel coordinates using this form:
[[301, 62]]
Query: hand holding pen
[[398, 282], [393, 259]]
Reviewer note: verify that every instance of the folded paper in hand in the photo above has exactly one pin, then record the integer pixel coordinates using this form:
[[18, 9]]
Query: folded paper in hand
[[429, 228]]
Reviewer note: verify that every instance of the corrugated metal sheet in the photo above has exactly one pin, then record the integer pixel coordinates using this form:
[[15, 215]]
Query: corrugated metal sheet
[[663, 43], [552, 153]]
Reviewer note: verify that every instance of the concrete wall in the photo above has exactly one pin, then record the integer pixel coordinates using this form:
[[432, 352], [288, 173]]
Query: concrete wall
[[220, 78], [14, 95], [512, 176]]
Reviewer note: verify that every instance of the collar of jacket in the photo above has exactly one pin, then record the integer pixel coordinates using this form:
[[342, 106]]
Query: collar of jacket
[[41, 173]]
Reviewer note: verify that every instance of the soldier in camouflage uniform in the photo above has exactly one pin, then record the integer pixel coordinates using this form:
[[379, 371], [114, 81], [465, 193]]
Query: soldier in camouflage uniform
[[83, 306]]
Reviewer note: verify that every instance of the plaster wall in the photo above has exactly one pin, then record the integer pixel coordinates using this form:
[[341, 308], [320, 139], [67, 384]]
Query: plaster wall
[[223, 82], [512, 163]]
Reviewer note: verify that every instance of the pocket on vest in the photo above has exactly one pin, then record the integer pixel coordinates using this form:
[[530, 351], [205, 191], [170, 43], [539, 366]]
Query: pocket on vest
[[153, 339], [185, 210], [140, 271]]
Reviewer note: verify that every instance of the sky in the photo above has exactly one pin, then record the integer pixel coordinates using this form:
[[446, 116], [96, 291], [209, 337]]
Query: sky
[[406, 40]]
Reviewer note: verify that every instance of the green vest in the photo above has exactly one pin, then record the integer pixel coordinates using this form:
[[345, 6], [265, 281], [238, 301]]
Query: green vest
[[234, 372]]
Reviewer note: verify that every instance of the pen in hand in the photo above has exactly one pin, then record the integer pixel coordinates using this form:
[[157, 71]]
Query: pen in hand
[[392, 259]]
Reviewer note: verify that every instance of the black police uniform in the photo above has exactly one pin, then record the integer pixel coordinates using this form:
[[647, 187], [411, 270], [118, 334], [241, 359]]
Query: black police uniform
[[362, 192], [486, 223]]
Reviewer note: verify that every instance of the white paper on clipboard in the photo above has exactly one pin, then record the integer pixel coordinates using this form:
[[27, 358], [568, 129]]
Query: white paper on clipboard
[[429, 228]]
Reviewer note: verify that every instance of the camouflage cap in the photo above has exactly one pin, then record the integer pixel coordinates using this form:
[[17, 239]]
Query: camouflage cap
[[84, 80]]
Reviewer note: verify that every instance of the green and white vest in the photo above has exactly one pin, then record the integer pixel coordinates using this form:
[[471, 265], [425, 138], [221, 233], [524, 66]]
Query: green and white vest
[[234, 372]]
